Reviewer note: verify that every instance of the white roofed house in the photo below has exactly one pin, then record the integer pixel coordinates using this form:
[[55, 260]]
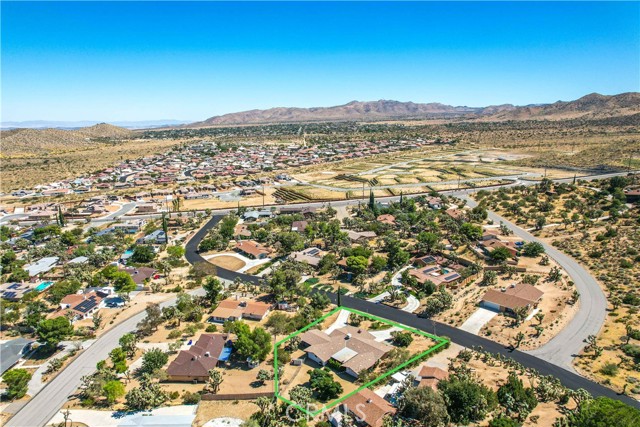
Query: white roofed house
[[41, 266]]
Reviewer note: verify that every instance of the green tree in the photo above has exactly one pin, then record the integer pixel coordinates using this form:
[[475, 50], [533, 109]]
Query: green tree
[[61, 289], [143, 254], [467, 400], [112, 391], [123, 283], [213, 287], [52, 331], [471, 231], [503, 421], [516, 399], [603, 412], [425, 406], [300, 395], [500, 254], [402, 339], [215, 380], [128, 343], [119, 359], [532, 249], [357, 264], [147, 396], [152, 360], [17, 381], [322, 382], [175, 252]]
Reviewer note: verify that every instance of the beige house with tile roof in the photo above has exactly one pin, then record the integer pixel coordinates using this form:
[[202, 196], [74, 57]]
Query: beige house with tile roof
[[354, 349]]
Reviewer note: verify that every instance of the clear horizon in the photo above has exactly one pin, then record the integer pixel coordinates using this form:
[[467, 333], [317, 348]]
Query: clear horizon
[[114, 62]]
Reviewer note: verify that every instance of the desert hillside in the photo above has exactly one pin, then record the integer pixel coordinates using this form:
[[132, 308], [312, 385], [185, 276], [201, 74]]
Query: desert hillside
[[37, 141]]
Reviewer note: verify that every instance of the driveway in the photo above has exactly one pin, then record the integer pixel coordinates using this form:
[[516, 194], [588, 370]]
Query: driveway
[[477, 320], [413, 304], [341, 321]]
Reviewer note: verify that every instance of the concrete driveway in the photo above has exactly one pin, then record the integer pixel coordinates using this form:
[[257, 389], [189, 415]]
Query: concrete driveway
[[477, 320]]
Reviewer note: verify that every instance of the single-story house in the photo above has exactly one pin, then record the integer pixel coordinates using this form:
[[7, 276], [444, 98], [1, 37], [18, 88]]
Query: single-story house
[[241, 231], [434, 202], [130, 227], [491, 244], [156, 237], [79, 306], [367, 408], [387, 219], [251, 216], [253, 249], [140, 275], [359, 236], [194, 364], [43, 265], [311, 256], [512, 298], [232, 309], [15, 291], [354, 349], [299, 226], [632, 195], [430, 376], [11, 351]]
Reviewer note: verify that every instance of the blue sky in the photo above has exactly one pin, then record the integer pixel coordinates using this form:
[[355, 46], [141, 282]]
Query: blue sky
[[139, 61]]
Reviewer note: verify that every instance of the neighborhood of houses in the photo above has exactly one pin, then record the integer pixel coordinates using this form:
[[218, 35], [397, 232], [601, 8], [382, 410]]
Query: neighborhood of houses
[[447, 267]]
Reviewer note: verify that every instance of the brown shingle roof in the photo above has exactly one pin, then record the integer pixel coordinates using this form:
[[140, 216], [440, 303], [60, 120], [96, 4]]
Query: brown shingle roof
[[201, 357], [521, 295], [368, 351], [368, 407]]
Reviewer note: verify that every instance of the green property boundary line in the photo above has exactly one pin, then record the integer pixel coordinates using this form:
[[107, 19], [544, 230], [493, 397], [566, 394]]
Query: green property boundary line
[[440, 342]]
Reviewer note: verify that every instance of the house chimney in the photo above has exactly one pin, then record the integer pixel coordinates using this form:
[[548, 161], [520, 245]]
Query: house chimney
[[207, 354], [369, 400]]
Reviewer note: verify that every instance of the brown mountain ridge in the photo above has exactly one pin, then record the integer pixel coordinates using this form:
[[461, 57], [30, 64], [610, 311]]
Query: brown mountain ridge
[[590, 106]]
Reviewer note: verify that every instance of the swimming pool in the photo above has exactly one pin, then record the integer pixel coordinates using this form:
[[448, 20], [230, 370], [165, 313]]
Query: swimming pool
[[43, 286]]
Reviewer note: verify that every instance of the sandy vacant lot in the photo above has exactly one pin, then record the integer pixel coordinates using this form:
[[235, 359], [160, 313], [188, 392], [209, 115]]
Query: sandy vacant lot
[[228, 262]]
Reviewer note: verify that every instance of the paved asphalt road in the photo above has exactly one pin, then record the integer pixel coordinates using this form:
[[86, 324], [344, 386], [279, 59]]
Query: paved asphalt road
[[41, 408]]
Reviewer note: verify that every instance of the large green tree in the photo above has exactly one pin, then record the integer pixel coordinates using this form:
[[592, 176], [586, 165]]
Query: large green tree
[[52, 331], [467, 400], [17, 382], [425, 406]]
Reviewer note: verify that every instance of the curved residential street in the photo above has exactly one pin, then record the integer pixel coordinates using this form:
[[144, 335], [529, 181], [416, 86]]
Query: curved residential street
[[591, 313], [554, 358]]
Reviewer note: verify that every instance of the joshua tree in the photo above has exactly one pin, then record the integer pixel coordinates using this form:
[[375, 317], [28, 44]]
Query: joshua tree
[[519, 338], [215, 380]]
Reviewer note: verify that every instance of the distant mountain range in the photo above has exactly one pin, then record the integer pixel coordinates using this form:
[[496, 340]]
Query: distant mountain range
[[589, 106], [44, 124]]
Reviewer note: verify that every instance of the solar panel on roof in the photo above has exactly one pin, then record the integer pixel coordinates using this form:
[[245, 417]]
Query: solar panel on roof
[[314, 251], [452, 276], [86, 306], [429, 270], [14, 286], [9, 294]]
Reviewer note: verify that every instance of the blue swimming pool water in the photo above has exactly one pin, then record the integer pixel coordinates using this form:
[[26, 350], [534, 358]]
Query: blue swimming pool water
[[43, 286]]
